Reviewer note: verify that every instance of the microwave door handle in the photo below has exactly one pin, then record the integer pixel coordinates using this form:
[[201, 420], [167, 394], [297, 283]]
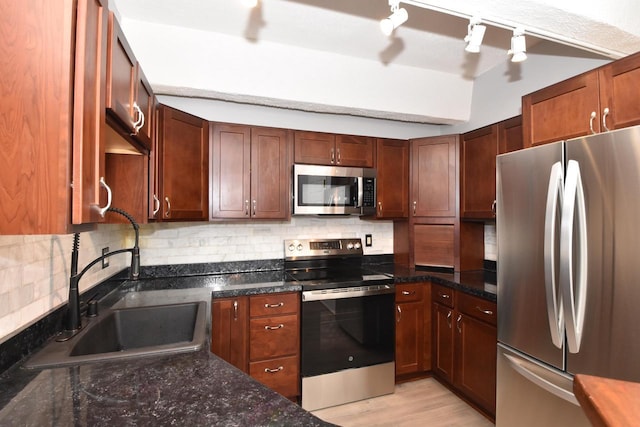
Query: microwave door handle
[[360, 192]]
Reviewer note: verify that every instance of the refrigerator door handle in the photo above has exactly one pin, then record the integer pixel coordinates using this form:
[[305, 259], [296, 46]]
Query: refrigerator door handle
[[574, 289], [526, 369], [554, 298]]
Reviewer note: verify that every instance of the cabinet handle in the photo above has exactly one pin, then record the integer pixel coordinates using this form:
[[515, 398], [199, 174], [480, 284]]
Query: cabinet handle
[[449, 319], [254, 203], [280, 304], [399, 313], [380, 206], [235, 310], [273, 371], [333, 156], [458, 323], [487, 312], [414, 207], [104, 185], [338, 150], [271, 328], [156, 204], [408, 292], [168, 212], [445, 296], [246, 207], [493, 207], [141, 125], [593, 116], [137, 114], [604, 119]]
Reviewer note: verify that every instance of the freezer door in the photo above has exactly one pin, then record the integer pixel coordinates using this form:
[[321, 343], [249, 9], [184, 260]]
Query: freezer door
[[609, 167], [529, 316], [532, 394]]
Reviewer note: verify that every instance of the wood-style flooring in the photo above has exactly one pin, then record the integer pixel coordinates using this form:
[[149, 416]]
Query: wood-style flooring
[[423, 402]]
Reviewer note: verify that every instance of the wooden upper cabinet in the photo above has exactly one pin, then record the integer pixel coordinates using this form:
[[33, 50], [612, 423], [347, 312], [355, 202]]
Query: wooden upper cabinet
[[433, 176], [129, 95], [249, 172], [619, 93], [510, 137], [334, 150], [183, 166], [52, 110], [392, 165], [478, 172]]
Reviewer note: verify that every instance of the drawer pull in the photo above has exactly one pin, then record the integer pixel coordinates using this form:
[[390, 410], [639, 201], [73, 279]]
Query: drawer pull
[[408, 293], [445, 296], [458, 323], [273, 371], [487, 312], [271, 328], [280, 304], [449, 319]]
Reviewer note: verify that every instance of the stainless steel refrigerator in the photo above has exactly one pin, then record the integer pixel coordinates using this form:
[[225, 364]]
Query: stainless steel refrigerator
[[568, 231]]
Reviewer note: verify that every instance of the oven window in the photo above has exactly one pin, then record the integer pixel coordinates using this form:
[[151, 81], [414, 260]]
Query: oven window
[[347, 333], [316, 190]]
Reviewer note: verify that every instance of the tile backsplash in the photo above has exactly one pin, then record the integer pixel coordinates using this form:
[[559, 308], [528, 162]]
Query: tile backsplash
[[34, 270], [490, 242]]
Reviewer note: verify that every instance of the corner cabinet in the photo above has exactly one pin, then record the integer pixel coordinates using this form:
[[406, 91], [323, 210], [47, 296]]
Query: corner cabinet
[[260, 335], [182, 165], [250, 172], [596, 101], [392, 164], [53, 111], [465, 345], [334, 150], [413, 330]]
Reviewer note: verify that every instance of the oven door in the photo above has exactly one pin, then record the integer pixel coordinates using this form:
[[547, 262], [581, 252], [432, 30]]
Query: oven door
[[347, 328], [327, 190]]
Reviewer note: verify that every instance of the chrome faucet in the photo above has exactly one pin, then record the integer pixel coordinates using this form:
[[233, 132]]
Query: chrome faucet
[[73, 321]]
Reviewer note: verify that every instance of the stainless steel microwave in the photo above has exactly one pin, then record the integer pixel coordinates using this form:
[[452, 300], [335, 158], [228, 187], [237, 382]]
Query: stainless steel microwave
[[333, 190]]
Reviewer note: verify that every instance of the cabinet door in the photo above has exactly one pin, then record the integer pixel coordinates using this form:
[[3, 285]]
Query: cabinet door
[[146, 103], [619, 93], [270, 172], [230, 171], [478, 172], [183, 146], [475, 373], [356, 151], [443, 319], [433, 245], [409, 337], [229, 330], [562, 111], [88, 112], [510, 136], [393, 178], [121, 76], [314, 148], [433, 176], [129, 175]]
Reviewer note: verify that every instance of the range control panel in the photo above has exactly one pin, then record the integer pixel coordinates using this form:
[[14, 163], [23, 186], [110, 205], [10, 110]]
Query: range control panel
[[312, 248]]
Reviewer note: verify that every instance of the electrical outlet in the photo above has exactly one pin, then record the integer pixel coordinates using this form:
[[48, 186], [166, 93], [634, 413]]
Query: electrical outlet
[[368, 240], [105, 261]]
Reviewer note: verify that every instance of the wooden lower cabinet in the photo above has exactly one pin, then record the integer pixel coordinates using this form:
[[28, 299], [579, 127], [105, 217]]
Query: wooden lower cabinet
[[464, 345], [260, 335], [413, 329]]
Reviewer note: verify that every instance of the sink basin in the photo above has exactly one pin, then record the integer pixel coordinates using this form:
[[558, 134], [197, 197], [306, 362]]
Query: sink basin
[[130, 332]]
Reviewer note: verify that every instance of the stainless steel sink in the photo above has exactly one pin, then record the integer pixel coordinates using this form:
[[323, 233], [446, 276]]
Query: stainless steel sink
[[130, 332]]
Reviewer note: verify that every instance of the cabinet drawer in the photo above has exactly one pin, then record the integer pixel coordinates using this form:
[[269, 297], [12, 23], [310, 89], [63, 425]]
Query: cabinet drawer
[[477, 307], [409, 292], [274, 337], [274, 304], [442, 295], [280, 375]]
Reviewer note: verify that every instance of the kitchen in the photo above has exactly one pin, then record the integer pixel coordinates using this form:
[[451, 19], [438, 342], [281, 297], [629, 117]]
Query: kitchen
[[36, 275]]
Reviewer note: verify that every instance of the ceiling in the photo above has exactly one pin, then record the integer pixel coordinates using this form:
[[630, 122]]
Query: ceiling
[[431, 39]]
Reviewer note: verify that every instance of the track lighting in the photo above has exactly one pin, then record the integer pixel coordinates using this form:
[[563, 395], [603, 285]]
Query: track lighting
[[518, 46], [398, 17], [475, 34], [250, 3]]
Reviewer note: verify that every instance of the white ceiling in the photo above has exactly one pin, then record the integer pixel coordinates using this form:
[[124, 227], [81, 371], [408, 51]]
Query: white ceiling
[[429, 40]]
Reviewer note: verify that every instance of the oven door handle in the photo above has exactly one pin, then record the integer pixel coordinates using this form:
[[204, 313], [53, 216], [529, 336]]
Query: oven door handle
[[340, 293]]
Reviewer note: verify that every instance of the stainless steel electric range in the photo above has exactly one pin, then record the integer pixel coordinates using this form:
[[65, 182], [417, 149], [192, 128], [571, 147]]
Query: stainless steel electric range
[[347, 326]]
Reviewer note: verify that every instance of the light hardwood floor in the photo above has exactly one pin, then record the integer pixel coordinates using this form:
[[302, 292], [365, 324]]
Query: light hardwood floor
[[424, 402]]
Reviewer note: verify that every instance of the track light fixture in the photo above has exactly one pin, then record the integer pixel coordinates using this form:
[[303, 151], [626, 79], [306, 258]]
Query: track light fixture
[[518, 46], [475, 34], [250, 3], [398, 17]]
